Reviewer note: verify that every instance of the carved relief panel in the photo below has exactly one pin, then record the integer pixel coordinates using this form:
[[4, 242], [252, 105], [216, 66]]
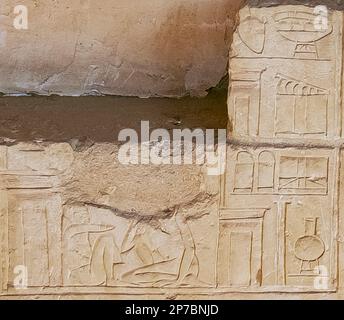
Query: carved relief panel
[[285, 80], [284, 203], [84, 249], [30, 214], [275, 228], [286, 162], [240, 251]]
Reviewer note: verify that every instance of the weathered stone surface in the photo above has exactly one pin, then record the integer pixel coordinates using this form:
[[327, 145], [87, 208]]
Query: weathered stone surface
[[61, 187], [271, 226], [129, 48], [283, 168]]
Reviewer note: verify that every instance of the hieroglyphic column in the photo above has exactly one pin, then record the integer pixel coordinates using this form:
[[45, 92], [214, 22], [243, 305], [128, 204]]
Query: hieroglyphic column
[[285, 118]]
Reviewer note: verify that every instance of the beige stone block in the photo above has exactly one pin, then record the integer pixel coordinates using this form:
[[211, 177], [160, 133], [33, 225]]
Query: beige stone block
[[84, 225], [129, 48], [77, 236], [280, 193]]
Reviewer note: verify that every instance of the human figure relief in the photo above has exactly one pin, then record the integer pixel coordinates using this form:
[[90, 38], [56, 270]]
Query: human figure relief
[[142, 251]]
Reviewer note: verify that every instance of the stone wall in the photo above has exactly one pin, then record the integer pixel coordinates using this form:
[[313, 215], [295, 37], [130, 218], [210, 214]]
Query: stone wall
[[84, 225], [60, 174], [280, 195]]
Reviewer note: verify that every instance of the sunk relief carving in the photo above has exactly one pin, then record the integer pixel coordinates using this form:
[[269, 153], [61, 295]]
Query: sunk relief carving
[[309, 248], [252, 33], [128, 252], [305, 104], [266, 171], [277, 220], [255, 173], [35, 214], [305, 175], [244, 171], [302, 60], [31, 211], [245, 100], [3, 158], [296, 186], [240, 248], [85, 246], [299, 27]]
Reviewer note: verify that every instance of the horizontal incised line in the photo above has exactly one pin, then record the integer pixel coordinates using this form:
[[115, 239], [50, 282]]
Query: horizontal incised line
[[284, 143]]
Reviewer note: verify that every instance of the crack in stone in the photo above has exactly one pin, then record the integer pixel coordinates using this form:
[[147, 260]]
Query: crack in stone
[[162, 214]]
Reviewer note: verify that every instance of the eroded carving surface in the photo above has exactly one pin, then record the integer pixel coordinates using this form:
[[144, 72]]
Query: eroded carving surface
[[84, 224], [284, 93]]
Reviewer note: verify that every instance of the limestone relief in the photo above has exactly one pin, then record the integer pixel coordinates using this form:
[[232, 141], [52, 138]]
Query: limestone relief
[[269, 225], [127, 253], [279, 202]]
